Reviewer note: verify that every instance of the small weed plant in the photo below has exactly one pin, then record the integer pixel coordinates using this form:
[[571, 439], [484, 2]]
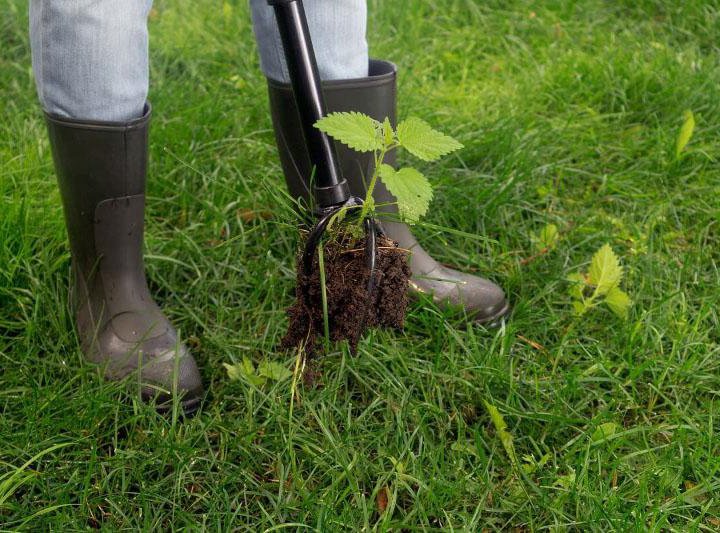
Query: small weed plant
[[326, 304], [600, 284], [410, 186]]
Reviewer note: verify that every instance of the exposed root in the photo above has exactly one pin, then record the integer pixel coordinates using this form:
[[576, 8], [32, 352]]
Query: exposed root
[[351, 309]]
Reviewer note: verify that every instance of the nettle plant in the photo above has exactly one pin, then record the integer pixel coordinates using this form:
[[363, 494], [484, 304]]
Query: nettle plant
[[365, 134], [600, 284]]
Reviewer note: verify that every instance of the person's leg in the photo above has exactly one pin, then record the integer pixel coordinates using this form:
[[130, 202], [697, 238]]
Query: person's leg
[[352, 82], [90, 57], [338, 30], [91, 67]]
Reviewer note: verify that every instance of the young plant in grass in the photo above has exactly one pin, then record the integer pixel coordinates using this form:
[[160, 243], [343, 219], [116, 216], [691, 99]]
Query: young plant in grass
[[364, 134], [600, 284], [334, 301]]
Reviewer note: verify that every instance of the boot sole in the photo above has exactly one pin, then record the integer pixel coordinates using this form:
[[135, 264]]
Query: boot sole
[[497, 319], [188, 408]]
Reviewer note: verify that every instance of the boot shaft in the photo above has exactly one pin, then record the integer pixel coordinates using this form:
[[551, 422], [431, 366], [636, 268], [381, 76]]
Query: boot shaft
[[101, 171], [375, 96], [96, 162]]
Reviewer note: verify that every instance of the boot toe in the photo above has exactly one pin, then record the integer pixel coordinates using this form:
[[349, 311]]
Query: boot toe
[[481, 299], [164, 364], [176, 372]]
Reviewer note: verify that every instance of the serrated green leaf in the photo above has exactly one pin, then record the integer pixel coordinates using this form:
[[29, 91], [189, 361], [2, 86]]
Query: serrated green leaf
[[236, 371], [580, 307], [388, 132], [686, 133], [603, 431], [385, 171], [548, 238], [501, 428], [357, 130], [411, 188], [577, 284], [246, 370], [566, 481], [530, 465], [273, 370], [618, 301], [421, 140], [605, 271], [528, 468], [232, 371]]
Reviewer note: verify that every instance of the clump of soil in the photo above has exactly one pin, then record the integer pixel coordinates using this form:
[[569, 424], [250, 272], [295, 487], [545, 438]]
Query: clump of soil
[[351, 309]]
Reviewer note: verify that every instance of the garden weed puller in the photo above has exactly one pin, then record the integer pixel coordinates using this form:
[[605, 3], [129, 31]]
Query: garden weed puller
[[332, 192], [349, 309]]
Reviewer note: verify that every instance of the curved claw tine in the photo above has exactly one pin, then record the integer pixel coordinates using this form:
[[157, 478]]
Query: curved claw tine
[[314, 240], [370, 250]]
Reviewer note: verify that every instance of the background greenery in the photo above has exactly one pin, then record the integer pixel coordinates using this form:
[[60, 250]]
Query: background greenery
[[569, 112]]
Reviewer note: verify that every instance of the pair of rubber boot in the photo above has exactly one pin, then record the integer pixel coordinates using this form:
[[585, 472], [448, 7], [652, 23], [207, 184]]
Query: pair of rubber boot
[[101, 169]]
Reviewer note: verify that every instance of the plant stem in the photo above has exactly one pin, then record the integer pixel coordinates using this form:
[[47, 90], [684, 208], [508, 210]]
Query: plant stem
[[291, 426], [376, 172], [323, 292], [369, 203]]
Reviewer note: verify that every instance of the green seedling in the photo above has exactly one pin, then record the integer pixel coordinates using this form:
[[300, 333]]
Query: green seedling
[[547, 239], [365, 134], [600, 284], [685, 134], [543, 243], [266, 370], [350, 309]]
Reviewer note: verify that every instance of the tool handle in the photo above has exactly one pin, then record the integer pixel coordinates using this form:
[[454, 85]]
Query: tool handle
[[331, 189]]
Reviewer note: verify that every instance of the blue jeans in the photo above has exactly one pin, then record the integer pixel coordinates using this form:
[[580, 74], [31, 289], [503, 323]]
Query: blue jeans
[[90, 57]]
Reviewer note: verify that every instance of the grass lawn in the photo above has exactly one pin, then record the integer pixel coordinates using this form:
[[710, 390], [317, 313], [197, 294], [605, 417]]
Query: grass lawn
[[569, 112]]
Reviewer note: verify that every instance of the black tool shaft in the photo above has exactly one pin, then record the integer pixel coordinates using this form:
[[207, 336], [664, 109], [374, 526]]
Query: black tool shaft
[[331, 189]]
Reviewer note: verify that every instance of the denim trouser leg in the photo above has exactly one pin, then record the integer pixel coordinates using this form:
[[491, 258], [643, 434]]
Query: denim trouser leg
[[90, 57], [337, 28]]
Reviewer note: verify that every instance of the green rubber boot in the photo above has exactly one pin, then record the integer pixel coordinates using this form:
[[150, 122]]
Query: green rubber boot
[[375, 96]]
